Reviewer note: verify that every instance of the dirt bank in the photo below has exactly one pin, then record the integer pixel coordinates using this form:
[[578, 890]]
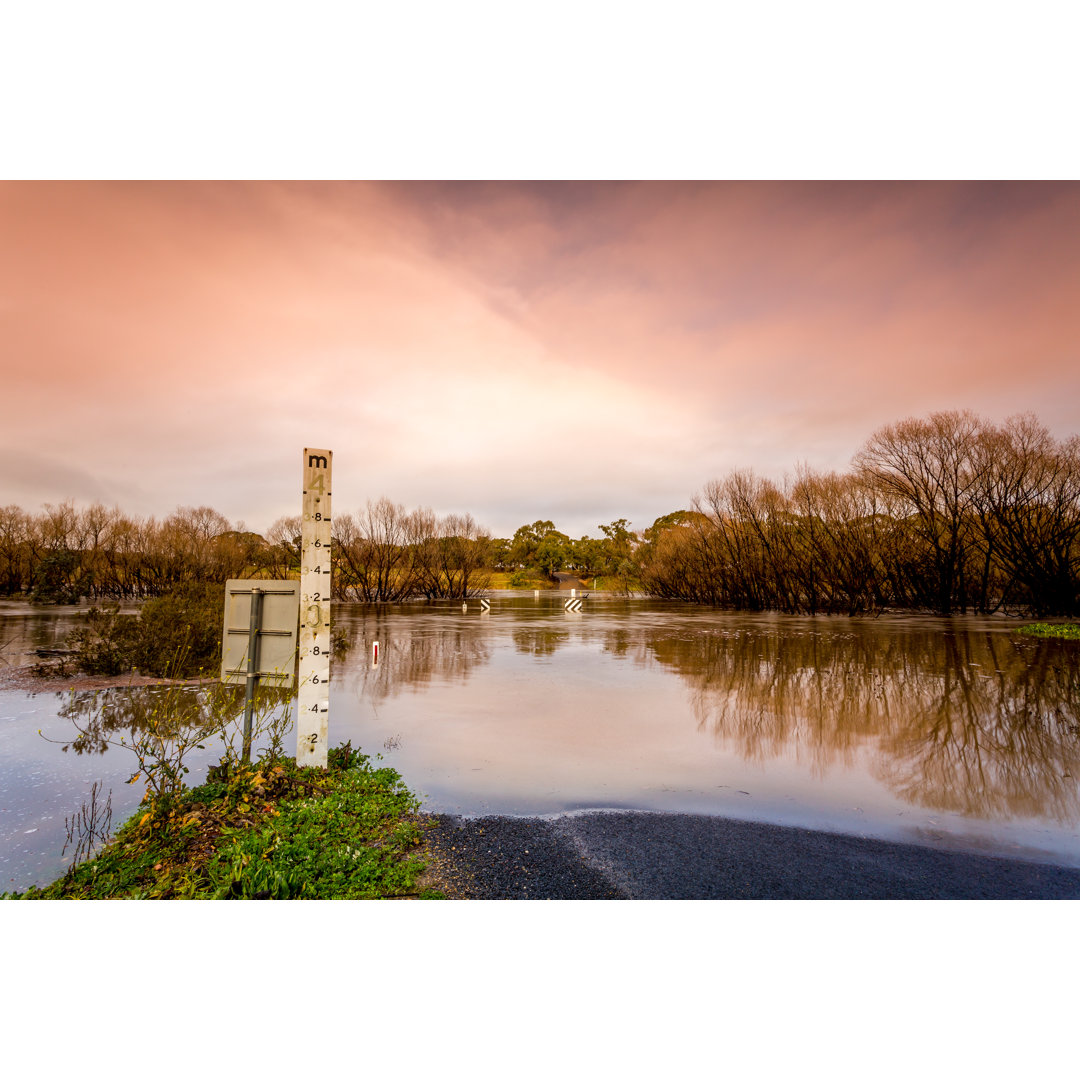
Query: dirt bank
[[23, 679]]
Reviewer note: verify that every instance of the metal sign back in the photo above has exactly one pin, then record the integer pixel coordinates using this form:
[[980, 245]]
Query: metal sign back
[[277, 635]]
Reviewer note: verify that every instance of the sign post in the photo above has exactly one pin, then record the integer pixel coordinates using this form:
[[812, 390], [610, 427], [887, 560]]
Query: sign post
[[313, 697], [258, 639]]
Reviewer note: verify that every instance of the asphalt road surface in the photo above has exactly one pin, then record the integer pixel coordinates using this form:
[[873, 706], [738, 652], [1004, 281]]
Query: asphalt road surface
[[648, 856]]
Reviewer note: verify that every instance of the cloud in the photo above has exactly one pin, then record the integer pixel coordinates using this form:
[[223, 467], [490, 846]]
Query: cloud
[[515, 349], [33, 479]]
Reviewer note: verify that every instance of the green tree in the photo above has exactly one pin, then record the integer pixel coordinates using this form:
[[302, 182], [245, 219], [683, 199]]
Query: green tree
[[669, 521], [619, 543], [588, 556], [527, 540], [499, 553], [553, 552]]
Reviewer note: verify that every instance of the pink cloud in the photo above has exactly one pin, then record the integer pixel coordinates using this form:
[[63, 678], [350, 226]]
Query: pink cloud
[[513, 348]]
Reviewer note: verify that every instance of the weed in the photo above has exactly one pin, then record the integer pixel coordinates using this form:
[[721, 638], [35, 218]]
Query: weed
[[162, 726], [341, 641], [346, 845], [344, 757], [271, 718], [90, 825]]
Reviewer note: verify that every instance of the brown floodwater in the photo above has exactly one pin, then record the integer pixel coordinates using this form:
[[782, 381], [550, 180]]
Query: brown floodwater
[[951, 732]]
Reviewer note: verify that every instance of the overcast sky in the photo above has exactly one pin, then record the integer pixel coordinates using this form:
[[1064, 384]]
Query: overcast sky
[[572, 351]]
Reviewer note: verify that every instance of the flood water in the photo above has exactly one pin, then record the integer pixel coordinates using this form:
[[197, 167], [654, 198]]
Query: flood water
[[950, 732]]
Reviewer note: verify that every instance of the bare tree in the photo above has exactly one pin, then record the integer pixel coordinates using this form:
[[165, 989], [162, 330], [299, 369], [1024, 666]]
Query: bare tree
[[377, 552], [931, 467], [455, 561], [1029, 506], [283, 550]]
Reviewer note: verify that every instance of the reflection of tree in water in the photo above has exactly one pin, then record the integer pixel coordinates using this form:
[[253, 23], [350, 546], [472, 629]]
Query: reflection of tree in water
[[412, 655], [621, 643], [539, 641], [998, 735], [99, 715], [966, 721]]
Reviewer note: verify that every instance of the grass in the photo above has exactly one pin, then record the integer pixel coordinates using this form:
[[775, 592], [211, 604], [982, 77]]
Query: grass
[[530, 579], [520, 579], [348, 832], [1068, 631]]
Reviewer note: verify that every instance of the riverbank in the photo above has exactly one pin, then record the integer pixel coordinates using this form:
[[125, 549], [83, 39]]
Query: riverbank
[[353, 831], [628, 855], [270, 830], [36, 679]]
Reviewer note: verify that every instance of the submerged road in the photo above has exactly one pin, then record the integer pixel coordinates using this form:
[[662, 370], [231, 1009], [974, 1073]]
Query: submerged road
[[623, 855]]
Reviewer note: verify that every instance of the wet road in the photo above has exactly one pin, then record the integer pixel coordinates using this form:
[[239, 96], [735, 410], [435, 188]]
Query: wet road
[[650, 856]]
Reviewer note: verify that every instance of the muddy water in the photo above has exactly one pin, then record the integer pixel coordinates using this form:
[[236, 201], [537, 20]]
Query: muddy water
[[948, 731], [952, 732]]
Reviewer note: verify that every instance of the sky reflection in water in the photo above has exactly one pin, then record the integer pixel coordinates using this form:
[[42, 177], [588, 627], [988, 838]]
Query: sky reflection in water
[[943, 730]]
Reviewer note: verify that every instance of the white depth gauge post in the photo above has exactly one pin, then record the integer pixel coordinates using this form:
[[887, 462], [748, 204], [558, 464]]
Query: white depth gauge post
[[313, 696]]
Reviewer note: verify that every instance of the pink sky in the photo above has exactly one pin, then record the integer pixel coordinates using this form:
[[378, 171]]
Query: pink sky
[[573, 351]]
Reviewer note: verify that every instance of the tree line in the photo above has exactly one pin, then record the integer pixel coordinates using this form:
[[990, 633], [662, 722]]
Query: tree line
[[542, 548], [950, 513], [64, 554], [383, 553]]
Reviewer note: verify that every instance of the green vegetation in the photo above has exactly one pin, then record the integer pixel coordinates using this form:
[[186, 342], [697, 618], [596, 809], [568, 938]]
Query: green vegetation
[[1068, 631], [177, 635], [521, 579], [538, 551], [265, 831]]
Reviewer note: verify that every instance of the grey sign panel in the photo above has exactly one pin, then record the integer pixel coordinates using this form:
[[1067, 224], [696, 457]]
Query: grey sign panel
[[275, 656]]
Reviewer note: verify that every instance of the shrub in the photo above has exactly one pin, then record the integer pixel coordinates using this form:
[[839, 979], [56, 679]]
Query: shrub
[[106, 644], [180, 633], [176, 636]]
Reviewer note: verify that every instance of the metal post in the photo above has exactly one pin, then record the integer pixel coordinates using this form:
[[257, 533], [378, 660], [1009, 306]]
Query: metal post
[[252, 668]]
